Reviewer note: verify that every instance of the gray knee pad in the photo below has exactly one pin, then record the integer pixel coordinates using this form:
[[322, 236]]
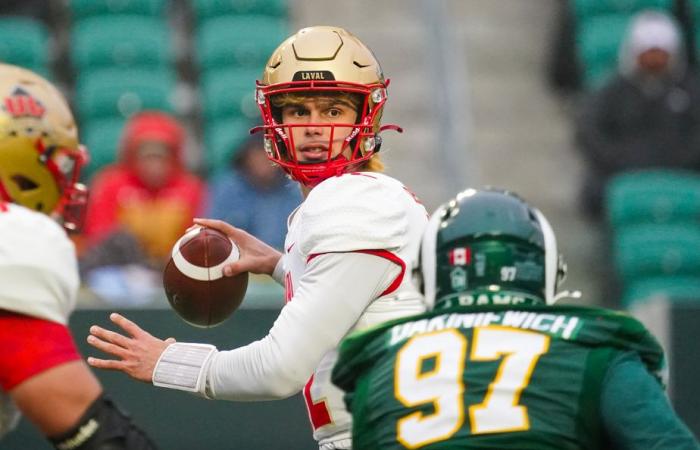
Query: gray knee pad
[[103, 427]]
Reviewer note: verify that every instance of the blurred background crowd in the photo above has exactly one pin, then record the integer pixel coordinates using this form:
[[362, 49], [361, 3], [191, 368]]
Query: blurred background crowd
[[589, 109]]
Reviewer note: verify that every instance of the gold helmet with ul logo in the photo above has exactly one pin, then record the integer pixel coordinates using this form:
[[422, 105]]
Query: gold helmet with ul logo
[[40, 155], [323, 61]]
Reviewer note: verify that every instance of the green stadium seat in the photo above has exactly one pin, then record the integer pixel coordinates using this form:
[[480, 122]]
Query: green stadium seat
[[81, 9], [598, 40], [230, 93], [656, 250], [121, 41], [207, 9], [102, 140], [655, 196], [673, 288], [222, 139], [25, 43], [238, 41], [123, 92], [584, 9]]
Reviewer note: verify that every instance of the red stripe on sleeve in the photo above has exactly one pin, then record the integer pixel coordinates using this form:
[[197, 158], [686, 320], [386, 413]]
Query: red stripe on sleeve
[[386, 254], [31, 346]]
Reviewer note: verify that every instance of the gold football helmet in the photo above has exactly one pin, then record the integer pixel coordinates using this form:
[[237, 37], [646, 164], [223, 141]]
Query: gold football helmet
[[40, 155], [314, 61]]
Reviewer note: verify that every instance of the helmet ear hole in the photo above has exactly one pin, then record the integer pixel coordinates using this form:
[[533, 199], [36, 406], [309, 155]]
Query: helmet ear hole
[[24, 183]]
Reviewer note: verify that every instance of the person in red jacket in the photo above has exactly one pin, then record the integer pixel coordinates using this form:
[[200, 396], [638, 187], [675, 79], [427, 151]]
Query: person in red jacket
[[140, 205]]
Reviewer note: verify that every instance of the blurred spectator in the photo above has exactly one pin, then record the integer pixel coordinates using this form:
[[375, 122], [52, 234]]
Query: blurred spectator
[[646, 116], [563, 66], [254, 194], [138, 209]]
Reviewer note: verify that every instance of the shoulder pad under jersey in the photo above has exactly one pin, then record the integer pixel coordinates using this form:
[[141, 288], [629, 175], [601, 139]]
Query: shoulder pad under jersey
[[355, 211], [38, 265]]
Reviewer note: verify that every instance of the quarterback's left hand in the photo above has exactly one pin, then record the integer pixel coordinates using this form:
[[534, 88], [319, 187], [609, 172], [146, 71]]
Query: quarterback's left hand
[[137, 353]]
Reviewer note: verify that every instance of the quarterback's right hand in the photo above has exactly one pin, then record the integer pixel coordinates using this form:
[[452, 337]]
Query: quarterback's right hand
[[137, 353], [256, 256]]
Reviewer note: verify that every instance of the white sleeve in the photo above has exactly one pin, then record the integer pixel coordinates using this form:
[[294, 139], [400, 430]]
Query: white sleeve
[[332, 294]]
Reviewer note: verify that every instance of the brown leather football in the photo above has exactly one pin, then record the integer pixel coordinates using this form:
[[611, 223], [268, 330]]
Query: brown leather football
[[194, 281]]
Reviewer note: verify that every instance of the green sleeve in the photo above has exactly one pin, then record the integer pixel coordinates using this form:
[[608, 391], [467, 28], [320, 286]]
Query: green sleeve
[[635, 411]]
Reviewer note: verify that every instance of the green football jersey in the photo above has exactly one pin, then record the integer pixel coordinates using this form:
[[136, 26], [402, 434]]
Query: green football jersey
[[491, 377]]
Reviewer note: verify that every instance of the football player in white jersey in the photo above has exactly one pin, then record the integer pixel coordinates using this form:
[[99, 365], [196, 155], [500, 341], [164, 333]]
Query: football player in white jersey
[[348, 250], [41, 373]]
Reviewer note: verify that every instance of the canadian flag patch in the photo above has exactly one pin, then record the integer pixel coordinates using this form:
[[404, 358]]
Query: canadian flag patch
[[460, 256]]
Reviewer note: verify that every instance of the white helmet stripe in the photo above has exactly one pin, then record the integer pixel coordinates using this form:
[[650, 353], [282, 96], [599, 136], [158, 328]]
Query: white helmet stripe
[[200, 273], [551, 257], [428, 255]]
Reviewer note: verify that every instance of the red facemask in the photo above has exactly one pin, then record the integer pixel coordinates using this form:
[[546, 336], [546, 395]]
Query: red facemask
[[362, 139], [65, 166]]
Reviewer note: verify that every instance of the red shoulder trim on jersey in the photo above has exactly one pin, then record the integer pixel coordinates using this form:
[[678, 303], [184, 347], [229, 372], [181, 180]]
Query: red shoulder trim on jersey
[[363, 174], [386, 254], [3, 206], [31, 346]]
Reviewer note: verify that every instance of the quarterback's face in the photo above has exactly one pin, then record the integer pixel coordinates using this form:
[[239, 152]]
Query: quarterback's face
[[310, 130]]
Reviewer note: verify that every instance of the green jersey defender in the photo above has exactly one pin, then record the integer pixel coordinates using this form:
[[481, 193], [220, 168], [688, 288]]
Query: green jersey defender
[[494, 365]]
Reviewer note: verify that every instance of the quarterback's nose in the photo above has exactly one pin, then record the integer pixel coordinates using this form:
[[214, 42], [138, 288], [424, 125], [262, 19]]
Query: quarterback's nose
[[312, 128]]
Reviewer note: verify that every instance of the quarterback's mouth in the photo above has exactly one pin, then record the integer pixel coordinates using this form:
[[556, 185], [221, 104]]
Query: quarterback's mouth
[[314, 152]]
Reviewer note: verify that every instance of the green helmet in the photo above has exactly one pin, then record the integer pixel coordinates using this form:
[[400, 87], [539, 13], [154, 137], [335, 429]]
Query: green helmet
[[489, 247]]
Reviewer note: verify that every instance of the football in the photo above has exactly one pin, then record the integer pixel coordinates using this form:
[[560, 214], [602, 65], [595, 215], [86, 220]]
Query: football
[[194, 281]]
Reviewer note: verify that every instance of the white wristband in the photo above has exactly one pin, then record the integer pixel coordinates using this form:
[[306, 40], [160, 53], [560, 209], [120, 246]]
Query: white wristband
[[278, 273], [183, 366]]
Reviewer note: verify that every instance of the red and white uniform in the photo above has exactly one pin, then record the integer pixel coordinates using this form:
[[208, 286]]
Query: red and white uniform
[[348, 262], [38, 287]]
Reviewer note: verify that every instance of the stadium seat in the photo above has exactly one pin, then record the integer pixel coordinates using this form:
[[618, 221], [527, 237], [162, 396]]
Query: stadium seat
[[102, 140], [80, 9], [673, 288], [656, 250], [598, 39], [238, 41], [121, 41], [207, 9], [123, 92], [222, 139], [25, 42], [229, 93], [583, 9], [654, 196]]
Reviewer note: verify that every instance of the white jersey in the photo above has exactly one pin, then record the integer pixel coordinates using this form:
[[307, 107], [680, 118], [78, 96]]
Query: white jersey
[[38, 265], [38, 275], [349, 256], [356, 212]]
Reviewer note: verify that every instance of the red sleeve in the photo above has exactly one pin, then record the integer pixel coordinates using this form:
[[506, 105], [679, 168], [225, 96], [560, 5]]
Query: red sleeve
[[31, 346]]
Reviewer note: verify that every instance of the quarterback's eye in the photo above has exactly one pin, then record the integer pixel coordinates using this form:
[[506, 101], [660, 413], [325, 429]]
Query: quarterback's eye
[[334, 113], [295, 112]]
